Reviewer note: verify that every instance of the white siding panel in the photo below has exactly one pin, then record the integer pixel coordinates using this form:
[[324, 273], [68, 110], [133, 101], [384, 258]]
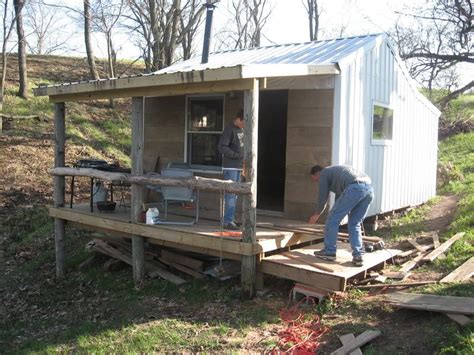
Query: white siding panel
[[403, 170]]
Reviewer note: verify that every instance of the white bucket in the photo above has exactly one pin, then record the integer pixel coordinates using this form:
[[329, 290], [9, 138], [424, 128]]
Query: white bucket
[[152, 214]]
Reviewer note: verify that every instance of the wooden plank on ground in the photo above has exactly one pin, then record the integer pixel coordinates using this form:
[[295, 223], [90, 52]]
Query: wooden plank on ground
[[442, 248], [152, 270], [185, 269], [164, 274], [461, 319], [346, 339], [462, 273], [357, 342], [443, 304], [406, 267], [182, 259], [414, 251], [398, 284], [415, 244]]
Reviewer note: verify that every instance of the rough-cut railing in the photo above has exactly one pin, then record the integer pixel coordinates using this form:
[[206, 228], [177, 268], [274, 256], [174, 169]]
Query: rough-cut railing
[[196, 182]]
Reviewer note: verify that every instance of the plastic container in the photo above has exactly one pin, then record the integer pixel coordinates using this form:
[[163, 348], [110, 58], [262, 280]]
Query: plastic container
[[152, 215]]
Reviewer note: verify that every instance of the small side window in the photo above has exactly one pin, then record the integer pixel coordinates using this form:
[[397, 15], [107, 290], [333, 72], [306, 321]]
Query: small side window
[[382, 123]]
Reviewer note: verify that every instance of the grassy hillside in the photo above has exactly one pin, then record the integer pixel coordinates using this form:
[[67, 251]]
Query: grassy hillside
[[96, 311]]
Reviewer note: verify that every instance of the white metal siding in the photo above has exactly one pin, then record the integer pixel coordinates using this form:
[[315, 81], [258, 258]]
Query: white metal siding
[[403, 170]]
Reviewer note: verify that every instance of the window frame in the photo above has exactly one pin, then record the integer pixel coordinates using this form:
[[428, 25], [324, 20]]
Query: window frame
[[385, 141], [201, 167]]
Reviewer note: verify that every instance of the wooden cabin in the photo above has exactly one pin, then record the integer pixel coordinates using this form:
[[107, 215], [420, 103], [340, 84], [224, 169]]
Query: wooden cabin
[[343, 101]]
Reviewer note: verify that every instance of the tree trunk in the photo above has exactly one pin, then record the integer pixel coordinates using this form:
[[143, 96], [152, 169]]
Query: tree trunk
[[3, 78], [23, 89], [155, 37], [7, 30], [171, 48], [87, 39]]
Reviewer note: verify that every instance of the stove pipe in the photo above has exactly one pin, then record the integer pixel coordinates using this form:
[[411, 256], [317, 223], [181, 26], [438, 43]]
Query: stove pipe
[[207, 31]]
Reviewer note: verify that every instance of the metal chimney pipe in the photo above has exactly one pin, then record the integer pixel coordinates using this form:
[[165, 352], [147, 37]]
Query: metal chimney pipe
[[207, 31]]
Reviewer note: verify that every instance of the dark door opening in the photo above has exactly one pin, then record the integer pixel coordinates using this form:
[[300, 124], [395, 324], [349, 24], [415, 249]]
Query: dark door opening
[[272, 115]]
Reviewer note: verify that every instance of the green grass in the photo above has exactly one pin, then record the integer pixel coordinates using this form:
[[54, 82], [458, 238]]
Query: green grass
[[92, 311], [407, 223]]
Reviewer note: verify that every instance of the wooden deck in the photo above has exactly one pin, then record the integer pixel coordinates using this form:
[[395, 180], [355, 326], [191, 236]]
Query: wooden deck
[[283, 249], [212, 240], [302, 266]]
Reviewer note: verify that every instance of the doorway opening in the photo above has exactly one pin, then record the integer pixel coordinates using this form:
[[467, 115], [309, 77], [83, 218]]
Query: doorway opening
[[272, 126]]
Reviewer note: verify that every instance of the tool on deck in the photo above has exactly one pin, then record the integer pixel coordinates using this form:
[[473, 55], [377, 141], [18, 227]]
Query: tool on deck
[[370, 247]]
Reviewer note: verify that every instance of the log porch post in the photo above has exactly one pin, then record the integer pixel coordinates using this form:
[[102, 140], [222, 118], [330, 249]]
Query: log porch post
[[249, 222], [138, 253], [59, 186]]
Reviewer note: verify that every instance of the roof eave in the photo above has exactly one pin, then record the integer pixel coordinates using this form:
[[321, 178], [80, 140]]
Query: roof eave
[[190, 77]]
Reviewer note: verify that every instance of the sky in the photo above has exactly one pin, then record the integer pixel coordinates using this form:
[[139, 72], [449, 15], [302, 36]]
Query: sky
[[288, 21]]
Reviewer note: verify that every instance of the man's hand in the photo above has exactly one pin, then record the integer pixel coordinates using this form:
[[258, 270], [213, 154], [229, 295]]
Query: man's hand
[[314, 218]]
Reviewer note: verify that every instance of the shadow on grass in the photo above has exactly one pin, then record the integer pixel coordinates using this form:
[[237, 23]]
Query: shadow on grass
[[98, 311]]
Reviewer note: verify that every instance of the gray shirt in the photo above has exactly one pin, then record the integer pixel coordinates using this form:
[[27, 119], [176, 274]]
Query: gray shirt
[[335, 179]]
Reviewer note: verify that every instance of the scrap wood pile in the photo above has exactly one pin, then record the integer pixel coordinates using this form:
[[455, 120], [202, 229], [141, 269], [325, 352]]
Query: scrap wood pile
[[422, 250], [457, 308], [172, 265]]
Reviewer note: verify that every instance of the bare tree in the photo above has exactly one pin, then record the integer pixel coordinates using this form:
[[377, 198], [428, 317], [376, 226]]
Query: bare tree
[[311, 7], [22, 71], [43, 28], [7, 27], [108, 13], [440, 41], [87, 40], [249, 18], [190, 20], [164, 26]]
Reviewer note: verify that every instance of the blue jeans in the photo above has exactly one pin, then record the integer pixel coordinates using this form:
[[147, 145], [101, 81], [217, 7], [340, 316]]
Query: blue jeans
[[354, 201], [230, 200]]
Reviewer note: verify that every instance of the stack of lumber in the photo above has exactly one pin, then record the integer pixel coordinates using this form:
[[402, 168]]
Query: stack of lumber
[[172, 265]]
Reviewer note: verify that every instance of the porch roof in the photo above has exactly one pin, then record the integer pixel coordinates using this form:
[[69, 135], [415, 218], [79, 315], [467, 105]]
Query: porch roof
[[225, 71]]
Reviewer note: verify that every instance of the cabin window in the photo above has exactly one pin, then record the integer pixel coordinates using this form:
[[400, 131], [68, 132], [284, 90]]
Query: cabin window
[[382, 123], [204, 126]]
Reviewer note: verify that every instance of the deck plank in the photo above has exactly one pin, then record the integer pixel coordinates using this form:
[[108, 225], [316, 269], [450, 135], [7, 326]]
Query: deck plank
[[444, 304], [302, 266]]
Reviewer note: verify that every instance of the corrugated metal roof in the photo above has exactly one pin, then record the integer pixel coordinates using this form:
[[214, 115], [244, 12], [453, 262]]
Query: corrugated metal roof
[[310, 53], [318, 57]]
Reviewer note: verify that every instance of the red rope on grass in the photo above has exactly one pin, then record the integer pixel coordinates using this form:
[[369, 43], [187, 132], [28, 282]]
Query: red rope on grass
[[303, 331]]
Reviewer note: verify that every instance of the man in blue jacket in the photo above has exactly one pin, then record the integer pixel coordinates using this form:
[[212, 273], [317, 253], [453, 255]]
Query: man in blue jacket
[[231, 146], [354, 193]]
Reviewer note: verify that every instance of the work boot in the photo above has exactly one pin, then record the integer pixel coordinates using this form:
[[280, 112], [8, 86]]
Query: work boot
[[231, 226], [322, 255], [357, 260]]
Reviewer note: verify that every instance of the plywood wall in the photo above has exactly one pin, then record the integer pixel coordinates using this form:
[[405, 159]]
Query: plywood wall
[[165, 135], [309, 142]]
